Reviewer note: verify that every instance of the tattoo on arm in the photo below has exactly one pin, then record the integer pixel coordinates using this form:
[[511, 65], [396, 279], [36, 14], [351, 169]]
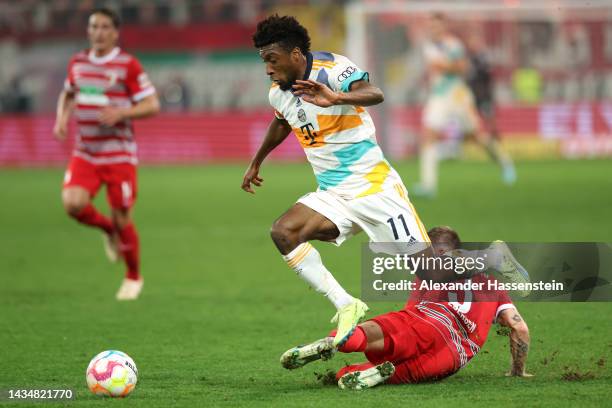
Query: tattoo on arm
[[519, 349]]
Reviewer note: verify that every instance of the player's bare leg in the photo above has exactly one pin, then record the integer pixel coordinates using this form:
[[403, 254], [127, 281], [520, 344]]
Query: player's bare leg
[[129, 247], [428, 163], [77, 203], [291, 233]]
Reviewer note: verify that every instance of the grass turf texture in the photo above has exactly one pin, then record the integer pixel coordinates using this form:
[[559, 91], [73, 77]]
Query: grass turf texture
[[219, 305]]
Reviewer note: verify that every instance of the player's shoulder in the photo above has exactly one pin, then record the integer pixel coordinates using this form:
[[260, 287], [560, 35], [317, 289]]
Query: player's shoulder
[[80, 56], [329, 60], [124, 57]]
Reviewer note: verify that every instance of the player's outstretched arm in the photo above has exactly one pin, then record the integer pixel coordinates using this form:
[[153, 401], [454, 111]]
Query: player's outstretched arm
[[519, 341], [278, 131], [361, 93], [65, 106], [147, 107]]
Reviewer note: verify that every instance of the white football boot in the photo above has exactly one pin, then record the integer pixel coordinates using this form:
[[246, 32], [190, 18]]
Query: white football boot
[[371, 377], [130, 289], [299, 356]]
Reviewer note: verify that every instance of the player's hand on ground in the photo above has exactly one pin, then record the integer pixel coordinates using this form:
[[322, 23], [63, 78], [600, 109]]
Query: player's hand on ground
[[251, 177], [60, 130], [109, 116], [315, 92], [515, 374]]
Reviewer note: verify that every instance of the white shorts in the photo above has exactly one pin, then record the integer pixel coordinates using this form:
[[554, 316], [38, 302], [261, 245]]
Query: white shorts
[[386, 217], [456, 109]]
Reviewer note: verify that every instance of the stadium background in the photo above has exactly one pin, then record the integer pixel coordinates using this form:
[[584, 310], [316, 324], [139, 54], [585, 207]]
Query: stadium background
[[552, 69], [219, 305]]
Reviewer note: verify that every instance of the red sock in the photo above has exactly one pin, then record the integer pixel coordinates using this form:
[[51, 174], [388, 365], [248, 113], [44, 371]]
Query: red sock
[[90, 216], [130, 250], [357, 342]]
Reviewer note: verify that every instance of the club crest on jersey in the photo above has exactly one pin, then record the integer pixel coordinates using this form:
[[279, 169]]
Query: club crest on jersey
[[302, 115], [112, 78], [299, 102]]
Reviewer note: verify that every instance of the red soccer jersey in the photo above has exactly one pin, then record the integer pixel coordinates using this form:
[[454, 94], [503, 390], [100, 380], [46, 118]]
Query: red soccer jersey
[[116, 79], [466, 315]]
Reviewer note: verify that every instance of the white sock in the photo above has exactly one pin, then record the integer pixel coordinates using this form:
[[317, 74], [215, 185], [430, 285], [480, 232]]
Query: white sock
[[305, 260], [429, 167]]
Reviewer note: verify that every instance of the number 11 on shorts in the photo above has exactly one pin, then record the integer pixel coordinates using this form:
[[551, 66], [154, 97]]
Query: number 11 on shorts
[[391, 222]]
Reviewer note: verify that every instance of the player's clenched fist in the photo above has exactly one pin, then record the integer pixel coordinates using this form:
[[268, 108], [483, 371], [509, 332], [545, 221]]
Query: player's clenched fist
[[110, 116], [251, 176]]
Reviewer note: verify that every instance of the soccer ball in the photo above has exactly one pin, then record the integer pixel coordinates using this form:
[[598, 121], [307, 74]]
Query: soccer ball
[[112, 373]]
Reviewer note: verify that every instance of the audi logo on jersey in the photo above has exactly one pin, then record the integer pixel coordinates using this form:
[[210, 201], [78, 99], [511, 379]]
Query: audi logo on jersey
[[346, 73]]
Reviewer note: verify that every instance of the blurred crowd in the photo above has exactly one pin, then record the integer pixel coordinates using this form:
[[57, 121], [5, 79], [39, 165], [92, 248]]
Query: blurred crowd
[[18, 17], [533, 61]]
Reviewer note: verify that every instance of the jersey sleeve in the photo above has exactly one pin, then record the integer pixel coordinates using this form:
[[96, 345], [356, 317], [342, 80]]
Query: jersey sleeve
[[137, 82], [69, 82], [344, 74]]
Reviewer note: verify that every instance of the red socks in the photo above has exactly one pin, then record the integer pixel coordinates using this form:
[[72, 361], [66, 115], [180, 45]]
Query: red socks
[[130, 250], [357, 342], [129, 245], [90, 216]]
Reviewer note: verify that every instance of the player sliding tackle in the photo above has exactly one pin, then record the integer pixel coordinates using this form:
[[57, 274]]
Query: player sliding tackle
[[320, 96], [430, 339]]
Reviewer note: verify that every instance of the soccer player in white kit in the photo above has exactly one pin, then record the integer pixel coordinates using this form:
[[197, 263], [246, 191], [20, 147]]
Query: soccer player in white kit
[[320, 97], [450, 103]]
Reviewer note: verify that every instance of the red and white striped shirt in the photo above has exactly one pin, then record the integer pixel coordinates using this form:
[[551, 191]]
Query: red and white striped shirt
[[116, 79], [465, 316]]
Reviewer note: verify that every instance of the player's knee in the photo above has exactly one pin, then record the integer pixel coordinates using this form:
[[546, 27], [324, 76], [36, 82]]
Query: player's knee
[[121, 219], [283, 234], [73, 204]]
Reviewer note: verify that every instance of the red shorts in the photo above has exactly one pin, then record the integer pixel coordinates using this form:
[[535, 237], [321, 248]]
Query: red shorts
[[120, 180], [419, 349]]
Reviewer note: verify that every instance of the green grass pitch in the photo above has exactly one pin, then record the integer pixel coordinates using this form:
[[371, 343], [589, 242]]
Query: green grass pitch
[[220, 306]]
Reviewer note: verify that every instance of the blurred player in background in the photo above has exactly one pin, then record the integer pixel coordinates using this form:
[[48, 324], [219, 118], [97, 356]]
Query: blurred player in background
[[106, 88], [450, 106], [480, 81], [430, 339], [320, 96]]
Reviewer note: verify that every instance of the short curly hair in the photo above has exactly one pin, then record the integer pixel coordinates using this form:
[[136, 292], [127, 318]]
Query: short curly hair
[[444, 234], [285, 30]]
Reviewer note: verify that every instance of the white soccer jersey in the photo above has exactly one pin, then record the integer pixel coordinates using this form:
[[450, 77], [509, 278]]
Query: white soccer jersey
[[339, 141], [447, 49], [450, 100]]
